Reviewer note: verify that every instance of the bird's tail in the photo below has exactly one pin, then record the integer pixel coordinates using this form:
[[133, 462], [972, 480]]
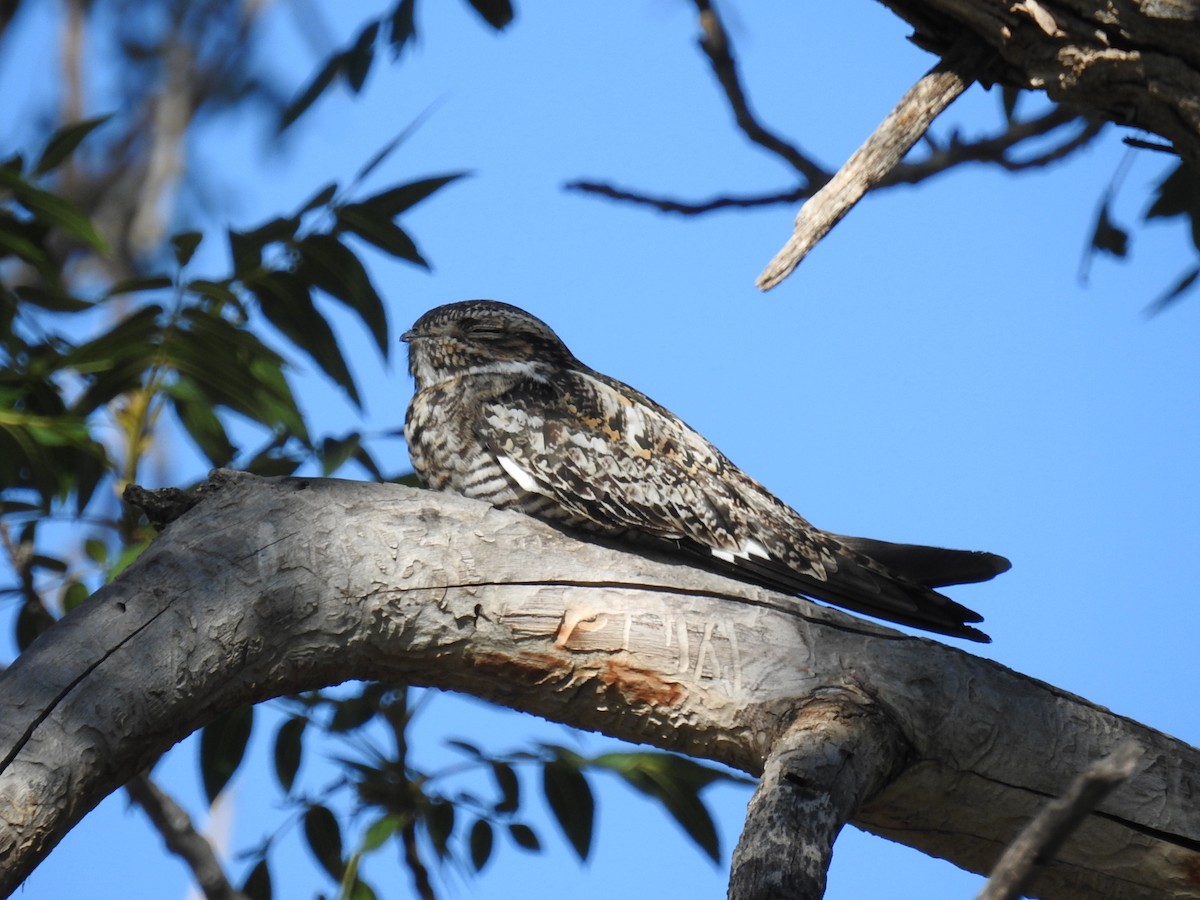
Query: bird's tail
[[930, 567]]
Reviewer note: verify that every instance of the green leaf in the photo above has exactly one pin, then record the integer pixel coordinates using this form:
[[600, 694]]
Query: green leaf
[[353, 712], [335, 451], [320, 198], [184, 244], [54, 211], [285, 300], [1179, 195], [72, 595], [64, 142], [325, 839], [232, 367], [312, 92], [289, 746], [571, 801], [402, 27], [393, 201], [379, 832], [133, 339], [213, 290], [439, 822], [258, 883], [1181, 287], [222, 746], [331, 266], [497, 13], [525, 837], [1109, 237], [96, 551], [201, 423], [382, 232], [364, 459], [676, 782], [125, 558], [481, 843], [357, 60], [138, 284], [510, 787], [32, 620], [52, 300]]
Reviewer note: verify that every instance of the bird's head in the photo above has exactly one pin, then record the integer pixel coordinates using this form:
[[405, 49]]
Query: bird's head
[[480, 336]]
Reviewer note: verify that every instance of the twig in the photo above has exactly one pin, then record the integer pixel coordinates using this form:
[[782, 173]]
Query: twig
[[182, 838], [1040, 839], [872, 162], [684, 207], [714, 41], [397, 716], [994, 150]]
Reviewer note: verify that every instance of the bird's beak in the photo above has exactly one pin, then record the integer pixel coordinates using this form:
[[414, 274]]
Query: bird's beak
[[408, 336]]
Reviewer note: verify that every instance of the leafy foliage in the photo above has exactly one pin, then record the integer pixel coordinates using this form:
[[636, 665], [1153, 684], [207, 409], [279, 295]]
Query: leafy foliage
[[1177, 195], [393, 30]]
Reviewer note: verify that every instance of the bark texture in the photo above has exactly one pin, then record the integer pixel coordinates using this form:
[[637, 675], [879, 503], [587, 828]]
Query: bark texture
[[272, 586], [1133, 62], [840, 749]]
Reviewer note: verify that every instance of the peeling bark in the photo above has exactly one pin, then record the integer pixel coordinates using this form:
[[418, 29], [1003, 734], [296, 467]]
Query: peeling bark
[[271, 586], [1133, 62]]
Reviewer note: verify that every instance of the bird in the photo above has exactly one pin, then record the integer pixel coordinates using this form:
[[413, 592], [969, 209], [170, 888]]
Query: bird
[[504, 412]]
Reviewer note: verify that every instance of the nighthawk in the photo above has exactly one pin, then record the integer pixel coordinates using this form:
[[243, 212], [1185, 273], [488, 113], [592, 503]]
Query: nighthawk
[[504, 412]]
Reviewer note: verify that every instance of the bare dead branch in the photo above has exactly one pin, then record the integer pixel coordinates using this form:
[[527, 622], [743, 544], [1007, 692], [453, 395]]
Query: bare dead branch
[[1039, 841], [182, 838], [996, 149], [872, 162], [685, 207], [714, 41]]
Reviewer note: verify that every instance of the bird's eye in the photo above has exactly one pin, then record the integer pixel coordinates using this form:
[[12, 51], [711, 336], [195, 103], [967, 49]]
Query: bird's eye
[[485, 330]]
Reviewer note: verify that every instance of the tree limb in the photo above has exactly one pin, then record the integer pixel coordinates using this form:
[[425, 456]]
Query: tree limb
[[1041, 838], [873, 161], [181, 837], [272, 586], [714, 41], [840, 749]]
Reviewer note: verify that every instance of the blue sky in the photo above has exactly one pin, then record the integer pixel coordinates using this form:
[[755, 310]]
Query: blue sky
[[935, 372]]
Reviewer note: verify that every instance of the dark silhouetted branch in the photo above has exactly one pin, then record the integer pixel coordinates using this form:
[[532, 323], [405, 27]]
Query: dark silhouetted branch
[[714, 41], [1039, 841]]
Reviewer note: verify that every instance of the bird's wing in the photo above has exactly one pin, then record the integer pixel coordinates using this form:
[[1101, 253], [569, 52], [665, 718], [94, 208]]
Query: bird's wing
[[606, 455]]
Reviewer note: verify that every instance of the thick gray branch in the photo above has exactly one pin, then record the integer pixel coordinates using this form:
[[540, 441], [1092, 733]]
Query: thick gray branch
[[274, 586], [840, 749]]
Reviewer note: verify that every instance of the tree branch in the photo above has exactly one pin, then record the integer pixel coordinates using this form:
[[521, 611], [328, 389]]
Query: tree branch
[[996, 149], [182, 838], [873, 161], [264, 588], [840, 749], [714, 41], [1040, 839]]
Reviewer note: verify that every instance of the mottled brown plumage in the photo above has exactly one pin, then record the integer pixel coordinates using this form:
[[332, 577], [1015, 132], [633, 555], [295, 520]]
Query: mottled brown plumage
[[505, 413]]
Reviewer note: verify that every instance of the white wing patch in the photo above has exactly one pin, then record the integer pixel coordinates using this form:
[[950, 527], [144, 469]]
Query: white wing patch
[[750, 548], [521, 476]]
